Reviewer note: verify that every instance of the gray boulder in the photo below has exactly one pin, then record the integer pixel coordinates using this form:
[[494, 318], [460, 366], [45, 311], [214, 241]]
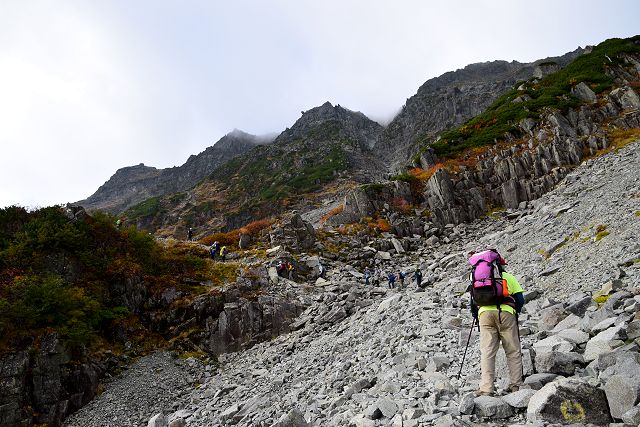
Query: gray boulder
[[553, 343], [491, 407], [632, 416], [467, 404], [559, 363], [575, 336], [520, 398], [580, 308], [625, 363], [604, 342], [296, 235], [294, 418], [626, 98], [550, 317], [623, 393], [584, 92], [537, 381], [569, 401], [158, 420]]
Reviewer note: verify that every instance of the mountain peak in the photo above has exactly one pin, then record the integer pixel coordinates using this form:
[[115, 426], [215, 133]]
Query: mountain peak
[[237, 133]]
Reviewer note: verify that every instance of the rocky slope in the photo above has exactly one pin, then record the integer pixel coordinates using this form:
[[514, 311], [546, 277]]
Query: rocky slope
[[372, 356], [134, 184], [450, 100], [329, 146], [538, 147], [440, 103]]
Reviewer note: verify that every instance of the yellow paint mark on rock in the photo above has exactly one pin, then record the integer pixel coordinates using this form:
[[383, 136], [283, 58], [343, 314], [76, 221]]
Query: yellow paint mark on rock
[[572, 412]]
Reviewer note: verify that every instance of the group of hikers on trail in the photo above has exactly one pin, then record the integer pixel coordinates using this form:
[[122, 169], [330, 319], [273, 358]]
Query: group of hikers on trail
[[375, 275], [285, 269], [217, 252]]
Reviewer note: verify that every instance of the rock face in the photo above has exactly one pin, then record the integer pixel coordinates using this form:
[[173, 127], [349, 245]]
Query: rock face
[[134, 184], [296, 235], [449, 100], [528, 170], [243, 323], [371, 198], [43, 385]]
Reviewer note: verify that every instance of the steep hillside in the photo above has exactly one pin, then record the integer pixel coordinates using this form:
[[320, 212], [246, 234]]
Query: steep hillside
[[80, 297], [368, 356], [448, 101], [134, 184], [524, 143], [329, 145]]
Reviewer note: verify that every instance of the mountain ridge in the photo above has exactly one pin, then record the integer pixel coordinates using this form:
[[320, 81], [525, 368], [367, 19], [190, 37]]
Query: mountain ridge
[[131, 185]]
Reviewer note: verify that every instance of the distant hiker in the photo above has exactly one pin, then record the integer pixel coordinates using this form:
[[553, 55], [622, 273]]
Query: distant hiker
[[401, 276], [377, 277], [366, 277], [214, 249], [118, 223], [190, 234], [281, 268], [223, 253], [290, 270], [321, 270], [418, 276], [392, 280], [496, 300]]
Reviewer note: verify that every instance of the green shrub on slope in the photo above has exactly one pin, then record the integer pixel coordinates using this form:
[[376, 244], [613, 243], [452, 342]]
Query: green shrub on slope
[[553, 91]]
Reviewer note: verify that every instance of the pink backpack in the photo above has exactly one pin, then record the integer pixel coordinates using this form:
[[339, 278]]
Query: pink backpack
[[487, 285]]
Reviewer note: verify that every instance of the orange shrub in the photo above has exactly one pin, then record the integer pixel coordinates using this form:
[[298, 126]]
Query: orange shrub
[[424, 175], [380, 224], [402, 205], [229, 238], [255, 227], [332, 212]]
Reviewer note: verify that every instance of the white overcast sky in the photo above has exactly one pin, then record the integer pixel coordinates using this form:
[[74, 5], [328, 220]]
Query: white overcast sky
[[87, 87]]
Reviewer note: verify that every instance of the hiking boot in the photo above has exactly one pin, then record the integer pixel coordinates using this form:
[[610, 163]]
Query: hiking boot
[[517, 387], [479, 393]]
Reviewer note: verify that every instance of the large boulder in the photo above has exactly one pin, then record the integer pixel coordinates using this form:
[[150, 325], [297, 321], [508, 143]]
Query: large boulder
[[492, 407], [296, 235], [584, 92], [559, 363], [569, 401], [626, 98], [604, 342], [294, 418], [623, 393]]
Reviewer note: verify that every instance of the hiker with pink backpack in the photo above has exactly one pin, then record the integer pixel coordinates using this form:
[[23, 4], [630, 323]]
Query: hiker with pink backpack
[[496, 300]]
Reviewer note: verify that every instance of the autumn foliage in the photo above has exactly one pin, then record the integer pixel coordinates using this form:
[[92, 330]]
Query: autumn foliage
[[380, 224], [425, 174], [332, 212], [229, 239], [255, 227]]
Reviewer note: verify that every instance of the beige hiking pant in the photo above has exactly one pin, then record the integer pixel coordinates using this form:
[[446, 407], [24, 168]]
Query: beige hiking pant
[[492, 332]]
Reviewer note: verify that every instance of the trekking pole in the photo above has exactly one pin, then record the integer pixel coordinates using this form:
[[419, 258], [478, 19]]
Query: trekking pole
[[466, 347], [520, 344]]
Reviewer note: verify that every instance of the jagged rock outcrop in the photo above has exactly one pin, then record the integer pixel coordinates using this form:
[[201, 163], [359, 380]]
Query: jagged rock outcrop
[[525, 171], [295, 235], [448, 101], [354, 123], [368, 199], [44, 384], [134, 184]]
